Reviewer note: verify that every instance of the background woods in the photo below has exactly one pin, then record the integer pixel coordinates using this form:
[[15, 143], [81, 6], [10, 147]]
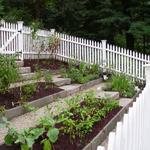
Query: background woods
[[122, 22]]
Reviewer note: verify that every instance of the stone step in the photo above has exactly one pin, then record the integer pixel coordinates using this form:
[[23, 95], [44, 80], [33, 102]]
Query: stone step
[[20, 63], [107, 94], [71, 89], [27, 76], [23, 70], [61, 81]]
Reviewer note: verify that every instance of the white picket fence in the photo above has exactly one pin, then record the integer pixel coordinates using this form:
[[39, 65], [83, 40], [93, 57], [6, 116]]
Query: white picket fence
[[14, 37], [17, 38], [133, 133], [104, 54]]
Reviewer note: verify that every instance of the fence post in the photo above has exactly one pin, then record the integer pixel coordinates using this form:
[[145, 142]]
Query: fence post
[[20, 38], [52, 31], [147, 73], [104, 54]]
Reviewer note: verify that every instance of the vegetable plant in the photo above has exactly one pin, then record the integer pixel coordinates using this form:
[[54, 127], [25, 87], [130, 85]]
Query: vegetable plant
[[83, 72], [9, 72], [27, 91], [122, 84], [80, 118], [52, 133], [26, 137]]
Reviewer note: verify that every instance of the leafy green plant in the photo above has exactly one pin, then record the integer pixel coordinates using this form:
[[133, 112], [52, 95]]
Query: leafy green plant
[[27, 137], [29, 107], [80, 118], [47, 78], [82, 73], [123, 85], [52, 133], [27, 91], [2, 110], [9, 72]]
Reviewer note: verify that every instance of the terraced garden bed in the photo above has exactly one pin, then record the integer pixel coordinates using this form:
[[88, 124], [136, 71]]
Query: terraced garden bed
[[45, 64], [15, 96], [75, 127]]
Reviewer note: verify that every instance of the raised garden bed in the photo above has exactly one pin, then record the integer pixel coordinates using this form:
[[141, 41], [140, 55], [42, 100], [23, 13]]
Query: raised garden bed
[[66, 141], [12, 98], [45, 64], [40, 102]]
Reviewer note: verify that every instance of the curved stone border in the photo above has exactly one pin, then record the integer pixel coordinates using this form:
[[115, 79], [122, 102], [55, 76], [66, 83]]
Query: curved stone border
[[102, 135], [19, 110]]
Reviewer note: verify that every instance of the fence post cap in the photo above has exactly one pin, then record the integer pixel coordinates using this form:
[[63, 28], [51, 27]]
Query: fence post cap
[[52, 31], [147, 72], [20, 21], [104, 40]]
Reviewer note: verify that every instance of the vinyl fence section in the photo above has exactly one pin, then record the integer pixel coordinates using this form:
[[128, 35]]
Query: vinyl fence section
[[133, 133], [17, 38], [108, 56]]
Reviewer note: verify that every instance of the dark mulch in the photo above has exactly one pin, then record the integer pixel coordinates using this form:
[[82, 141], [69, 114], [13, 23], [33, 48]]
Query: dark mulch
[[14, 95], [45, 64], [64, 143]]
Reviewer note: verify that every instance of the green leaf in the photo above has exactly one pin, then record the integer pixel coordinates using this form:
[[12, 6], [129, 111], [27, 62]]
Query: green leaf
[[30, 142], [9, 139], [47, 145], [25, 147], [53, 134], [37, 132]]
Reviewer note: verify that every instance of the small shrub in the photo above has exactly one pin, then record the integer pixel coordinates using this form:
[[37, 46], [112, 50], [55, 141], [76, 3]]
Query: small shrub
[[9, 72], [27, 91], [123, 85], [82, 73]]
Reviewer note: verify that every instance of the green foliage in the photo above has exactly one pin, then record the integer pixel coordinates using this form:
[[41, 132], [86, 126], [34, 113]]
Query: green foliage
[[47, 78], [52, 133], [27, 137], [74, 17], [27, 91], [78, 121], [8, 72], [29, 107], [35, 25], [123, 85], [2, 110], [120, 40], [82, 73]]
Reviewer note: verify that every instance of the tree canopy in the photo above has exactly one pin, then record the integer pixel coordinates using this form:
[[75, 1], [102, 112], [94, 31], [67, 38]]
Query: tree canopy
[[122, 22]]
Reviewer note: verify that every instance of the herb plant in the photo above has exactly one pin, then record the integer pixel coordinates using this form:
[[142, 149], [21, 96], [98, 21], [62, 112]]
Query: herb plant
[[123, 85]]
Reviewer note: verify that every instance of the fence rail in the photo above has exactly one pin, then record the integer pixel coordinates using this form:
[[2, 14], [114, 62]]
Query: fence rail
[[15, 37], [133, 133]]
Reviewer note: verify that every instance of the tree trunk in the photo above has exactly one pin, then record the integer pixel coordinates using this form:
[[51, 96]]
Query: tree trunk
[[129, 41]]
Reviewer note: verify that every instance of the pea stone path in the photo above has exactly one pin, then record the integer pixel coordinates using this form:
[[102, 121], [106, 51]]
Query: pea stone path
[[30, 119]]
